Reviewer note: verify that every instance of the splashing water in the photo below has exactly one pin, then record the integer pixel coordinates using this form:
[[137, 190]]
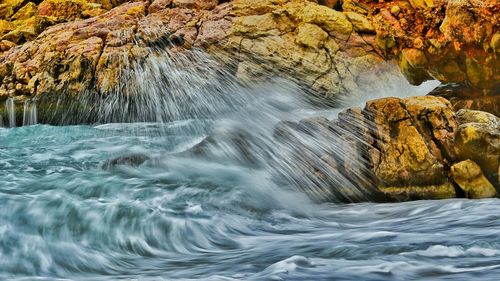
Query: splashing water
[[30, 114], [10, 109], [208, 192]]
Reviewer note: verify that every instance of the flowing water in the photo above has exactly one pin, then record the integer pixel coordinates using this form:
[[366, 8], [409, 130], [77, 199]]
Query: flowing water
[[68, 213]]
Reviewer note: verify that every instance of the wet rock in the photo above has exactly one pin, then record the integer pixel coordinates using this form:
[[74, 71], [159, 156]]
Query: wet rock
[[405, 153], [480, 142], [233, 145], [475, 116], [425, 192], [470, 179], [298, 39], [398, 150], [132, 160]]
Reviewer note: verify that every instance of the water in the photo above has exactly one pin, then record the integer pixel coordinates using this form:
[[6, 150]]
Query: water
[[209, 196], [180, 218], [10, 109], [30, 113]]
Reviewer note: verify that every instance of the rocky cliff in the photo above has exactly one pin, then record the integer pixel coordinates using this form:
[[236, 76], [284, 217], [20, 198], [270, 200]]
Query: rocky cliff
[[328, 47]]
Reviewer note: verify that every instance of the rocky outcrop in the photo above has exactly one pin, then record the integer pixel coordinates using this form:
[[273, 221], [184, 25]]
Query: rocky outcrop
[[463, 97], [469, 177], [413, 148], [327, 50], [22, 21], [453, 41], [478, 139]]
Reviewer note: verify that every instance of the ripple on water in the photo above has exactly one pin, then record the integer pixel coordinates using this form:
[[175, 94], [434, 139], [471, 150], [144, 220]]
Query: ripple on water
[[63, 217]]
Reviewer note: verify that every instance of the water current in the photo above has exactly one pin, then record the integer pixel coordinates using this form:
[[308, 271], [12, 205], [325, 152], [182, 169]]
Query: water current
[[68, 213]]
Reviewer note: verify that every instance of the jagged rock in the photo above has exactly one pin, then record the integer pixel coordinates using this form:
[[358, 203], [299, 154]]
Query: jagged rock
[[299, 40], [479, 141], [408, 152], [470, 179], [452, 41], [405, 148], [132, 160], [319, 47]]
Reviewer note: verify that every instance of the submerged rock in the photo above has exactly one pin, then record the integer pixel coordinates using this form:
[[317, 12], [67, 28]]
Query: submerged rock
[[132, 160]]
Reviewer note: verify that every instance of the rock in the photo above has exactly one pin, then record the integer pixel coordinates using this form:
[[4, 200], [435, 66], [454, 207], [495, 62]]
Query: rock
[[455, 37], [132, 160], [328, 3], [464, 97], [355, 6], [470, 179], [311, 35], [479, 142], [475, 116], [408, 149], [427, 192], [392, 150], [158, 5], [395, 10], [421, 4], [298, 39], [66, 9], [195, 4], [5, 45], [25, 12], [327, 51], [410, 139], [361, 23], [495, 42]]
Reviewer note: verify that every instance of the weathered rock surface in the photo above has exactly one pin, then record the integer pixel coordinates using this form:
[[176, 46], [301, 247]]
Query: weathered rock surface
[[464, 97], [478, 139], [470, 179], [454, 41], [413, 148], [327, 50]]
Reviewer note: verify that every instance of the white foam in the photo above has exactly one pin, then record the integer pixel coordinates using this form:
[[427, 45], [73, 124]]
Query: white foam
[[455, 251]]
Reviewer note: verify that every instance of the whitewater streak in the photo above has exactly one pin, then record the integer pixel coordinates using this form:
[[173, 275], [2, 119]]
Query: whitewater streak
[[243, 123]]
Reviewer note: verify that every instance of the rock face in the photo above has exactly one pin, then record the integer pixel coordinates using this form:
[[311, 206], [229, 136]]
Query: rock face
[[478, 139], [470, 178], [327, 50], [328, 47], [414, 148], [453, 41], [22, 21], [463, 97]]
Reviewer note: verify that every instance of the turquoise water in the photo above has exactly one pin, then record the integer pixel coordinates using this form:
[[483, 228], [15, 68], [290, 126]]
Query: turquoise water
[[225, 212], [178, 218]]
